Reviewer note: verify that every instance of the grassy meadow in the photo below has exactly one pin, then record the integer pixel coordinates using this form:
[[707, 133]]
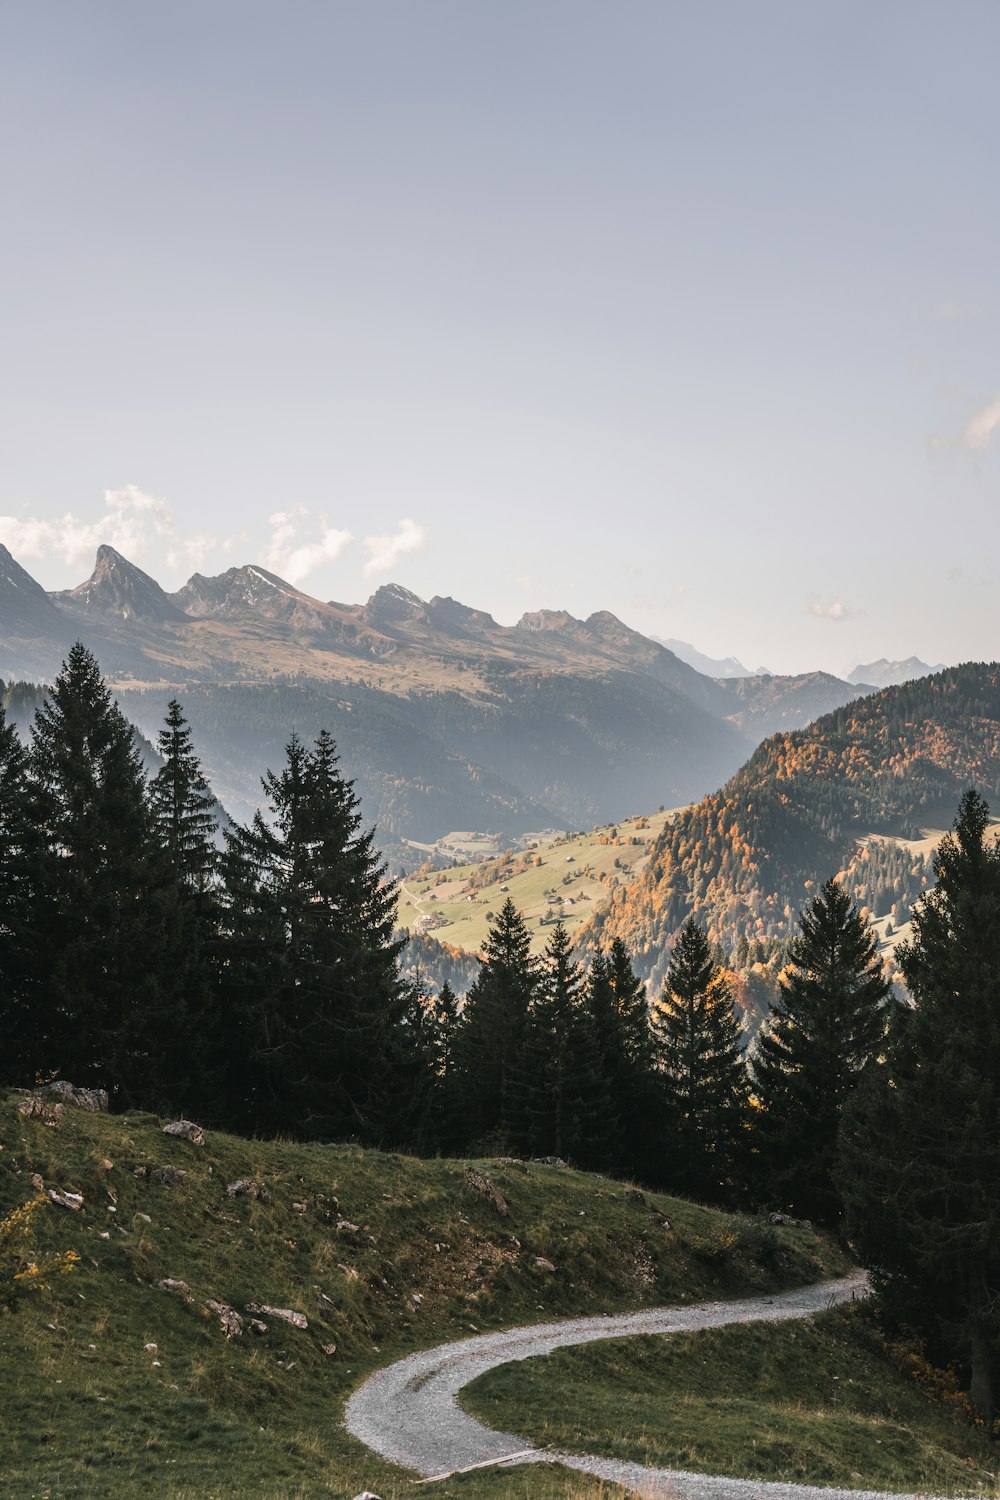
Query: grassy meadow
[[383, 1254]]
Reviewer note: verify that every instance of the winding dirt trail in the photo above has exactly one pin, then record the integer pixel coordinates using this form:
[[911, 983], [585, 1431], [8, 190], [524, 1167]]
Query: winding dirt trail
[[408, 1412]]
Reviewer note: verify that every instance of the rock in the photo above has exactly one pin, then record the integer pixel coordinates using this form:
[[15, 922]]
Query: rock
[[549, 1161], [789, 1222], [67, 1200], [186, 1130], [366, 1495], [349, 1230], [513, 1162], [298, 1208], [490, 1192], [93, 1100], [157, 1364], [150, 1348], [246, 1187], [666, 1224], [229, 1319], [256, 1326], [105, 1165], [38, 1182], [168, 1176], [634, 1196], [541, 1264], [297, 1319], [329, 1350], [144, 1218], [171, 1284], [33, 1108], [140, 1171]]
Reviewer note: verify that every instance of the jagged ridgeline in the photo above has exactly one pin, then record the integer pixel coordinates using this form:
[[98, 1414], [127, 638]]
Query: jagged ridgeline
[[745, 858]]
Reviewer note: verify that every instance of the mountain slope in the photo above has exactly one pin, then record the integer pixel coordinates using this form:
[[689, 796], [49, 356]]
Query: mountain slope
[[117, 587], [746, 858]]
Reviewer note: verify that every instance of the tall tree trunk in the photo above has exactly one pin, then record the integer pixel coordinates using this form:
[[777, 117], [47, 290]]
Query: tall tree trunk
[[981, 1389]]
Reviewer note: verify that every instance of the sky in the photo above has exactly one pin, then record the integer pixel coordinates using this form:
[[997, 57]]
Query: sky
[[687, 311]]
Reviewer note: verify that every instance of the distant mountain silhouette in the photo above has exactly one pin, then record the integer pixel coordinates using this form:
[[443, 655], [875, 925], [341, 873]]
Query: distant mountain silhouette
[[885, 673]]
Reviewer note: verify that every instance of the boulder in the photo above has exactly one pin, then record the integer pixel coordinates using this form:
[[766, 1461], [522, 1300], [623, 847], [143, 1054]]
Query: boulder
[[247, 1187], [634, 1196], [168, 1176], [94, 1100], [286, 1314], [488, 1189], [186, 1130], [229, 1319], [173, 1284], [67, 1200], [541, 1264], [33, 1108]]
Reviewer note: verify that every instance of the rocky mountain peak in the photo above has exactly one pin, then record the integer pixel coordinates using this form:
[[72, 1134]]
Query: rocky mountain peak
[[118, 587], [392, 603]]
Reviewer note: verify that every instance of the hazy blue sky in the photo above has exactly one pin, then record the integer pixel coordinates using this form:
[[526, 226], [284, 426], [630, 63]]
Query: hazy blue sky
[[686, 311]]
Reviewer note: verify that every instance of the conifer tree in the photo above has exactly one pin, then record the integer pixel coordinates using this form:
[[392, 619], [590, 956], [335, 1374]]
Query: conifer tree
[[698, 1045], [312, 978], [183, 806], [831, 1018], [24, 918], [489, 1040], [184, 825], [108, 1022], [920, 1142], [616, 1000], [563, 1106], [447, 1127]]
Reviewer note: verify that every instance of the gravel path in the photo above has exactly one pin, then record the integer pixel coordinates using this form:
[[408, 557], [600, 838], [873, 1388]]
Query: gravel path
[[408, 1412]]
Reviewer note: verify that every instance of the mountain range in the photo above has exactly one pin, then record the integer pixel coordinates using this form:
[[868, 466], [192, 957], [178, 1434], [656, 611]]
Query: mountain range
[[446, 718], [885, 673]]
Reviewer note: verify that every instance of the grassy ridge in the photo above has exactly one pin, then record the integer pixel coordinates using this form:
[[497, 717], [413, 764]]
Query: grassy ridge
[[89, 1411], [817, 1402]]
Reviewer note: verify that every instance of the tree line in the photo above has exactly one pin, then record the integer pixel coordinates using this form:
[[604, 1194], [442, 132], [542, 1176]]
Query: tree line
[[255, 980]]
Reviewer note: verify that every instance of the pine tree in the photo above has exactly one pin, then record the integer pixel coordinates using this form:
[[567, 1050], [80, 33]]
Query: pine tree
[[447, 1126], [25, 919], [312, 978], [108, 1022], [562, 1102], [489, 1040], [698, 1044], [831, 1018], [920, 1143]]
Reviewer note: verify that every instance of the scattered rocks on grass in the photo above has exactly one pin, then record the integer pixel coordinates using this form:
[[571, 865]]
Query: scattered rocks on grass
[[229, 1319], [67, 1200], [348, 1230], [488, 1189], [168, 1176], [789, 1222], [173, 1284], [299, 1208], [186, 1130], [247, 1187], [513, 1162], [549, 1161], [286, 1314]]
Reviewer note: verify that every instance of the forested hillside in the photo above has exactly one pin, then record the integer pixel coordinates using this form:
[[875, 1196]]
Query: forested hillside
[[747, 857]]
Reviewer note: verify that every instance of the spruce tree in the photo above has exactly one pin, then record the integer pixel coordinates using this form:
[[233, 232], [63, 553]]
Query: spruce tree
[[920, 1142], [489, 1040], [698, 1044], [830, 1019], [312, 979], [563, 1107], [107, 1019], [185, 826], [25, 919], [616, 1001]]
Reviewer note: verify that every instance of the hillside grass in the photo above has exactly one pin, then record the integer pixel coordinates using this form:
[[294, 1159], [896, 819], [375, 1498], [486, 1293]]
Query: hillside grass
[[577, 874], [88, 1411], [821, 1401]]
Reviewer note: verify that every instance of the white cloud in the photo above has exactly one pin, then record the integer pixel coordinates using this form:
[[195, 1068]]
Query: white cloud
[[982, 427], [835, 610], [130, 521], [294, 557], [384, 552], [956, 312]]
